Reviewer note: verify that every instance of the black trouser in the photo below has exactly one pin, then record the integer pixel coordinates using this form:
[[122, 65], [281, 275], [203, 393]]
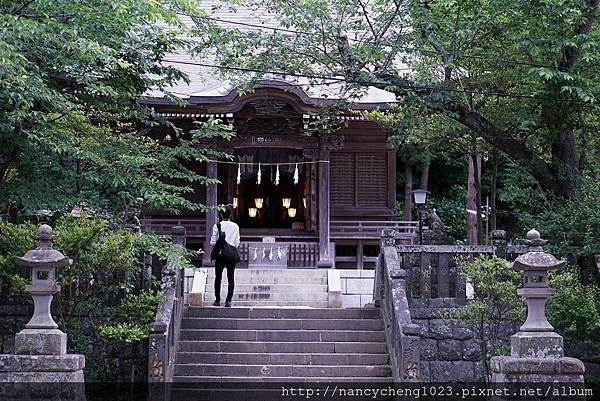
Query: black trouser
[[219, 266]]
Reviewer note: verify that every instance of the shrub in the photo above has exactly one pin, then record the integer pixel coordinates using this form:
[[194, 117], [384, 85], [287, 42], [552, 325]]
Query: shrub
[[495, 304], [125, 332], [103, 297], [574, 309]]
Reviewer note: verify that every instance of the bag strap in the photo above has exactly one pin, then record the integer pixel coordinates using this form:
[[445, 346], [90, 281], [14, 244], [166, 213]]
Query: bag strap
[[219, 228]]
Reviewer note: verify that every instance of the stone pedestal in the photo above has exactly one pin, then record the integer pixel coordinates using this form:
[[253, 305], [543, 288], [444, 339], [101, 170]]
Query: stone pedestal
[[41, 369], [42, 377], [40, 342]]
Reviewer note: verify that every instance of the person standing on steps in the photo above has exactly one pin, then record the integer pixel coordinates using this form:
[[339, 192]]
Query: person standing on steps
[[225, 240]]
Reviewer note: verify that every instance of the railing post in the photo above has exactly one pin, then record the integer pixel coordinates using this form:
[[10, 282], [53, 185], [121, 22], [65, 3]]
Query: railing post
[[498, 238], [388, 238], [164, 330], [402, 335]]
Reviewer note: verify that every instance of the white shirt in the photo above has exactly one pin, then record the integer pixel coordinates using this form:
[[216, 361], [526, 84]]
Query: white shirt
[[231, 230]]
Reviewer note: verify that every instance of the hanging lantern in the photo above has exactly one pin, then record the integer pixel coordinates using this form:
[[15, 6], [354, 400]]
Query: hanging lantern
[[252, 212], [239, 174], [286, 202], [292, 212], [277, 176], [258, 202], [296, 175], [235, 202]]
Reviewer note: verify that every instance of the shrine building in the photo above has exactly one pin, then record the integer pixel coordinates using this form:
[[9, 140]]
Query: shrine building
[[304, 197]]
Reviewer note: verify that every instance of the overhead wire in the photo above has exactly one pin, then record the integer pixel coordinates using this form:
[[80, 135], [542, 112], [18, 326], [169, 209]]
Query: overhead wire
[[373, 82], [409, 48]]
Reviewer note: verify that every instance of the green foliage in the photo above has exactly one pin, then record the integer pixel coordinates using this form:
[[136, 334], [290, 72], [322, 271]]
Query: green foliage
[[451, 209], [516, 76], [129, 322], [125, 332], [572, 227], [15, 240], [521, 191], [139, 307], [102, 290], [494, 304], [71, 129], [574, 309]]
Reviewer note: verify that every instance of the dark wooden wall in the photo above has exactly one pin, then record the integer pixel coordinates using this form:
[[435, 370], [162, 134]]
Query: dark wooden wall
[[363, 174]]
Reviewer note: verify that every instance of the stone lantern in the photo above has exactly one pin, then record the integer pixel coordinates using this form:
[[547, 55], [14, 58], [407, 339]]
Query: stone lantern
[[41, 335], [536, 290], [40, 368], [537, 354]]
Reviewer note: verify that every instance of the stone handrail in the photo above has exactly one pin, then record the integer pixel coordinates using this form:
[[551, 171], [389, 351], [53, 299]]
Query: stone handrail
[[165, 328], [390, 295]]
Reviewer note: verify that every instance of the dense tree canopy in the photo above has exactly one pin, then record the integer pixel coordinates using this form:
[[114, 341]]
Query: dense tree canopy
[[71, 131], [521, 76]]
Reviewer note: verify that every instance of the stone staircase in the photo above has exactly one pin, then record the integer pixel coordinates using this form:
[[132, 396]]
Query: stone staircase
[[280, 330], [273, 287], [281, 344]]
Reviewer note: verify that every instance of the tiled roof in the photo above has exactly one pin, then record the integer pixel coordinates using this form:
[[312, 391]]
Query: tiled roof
[[207, 82]]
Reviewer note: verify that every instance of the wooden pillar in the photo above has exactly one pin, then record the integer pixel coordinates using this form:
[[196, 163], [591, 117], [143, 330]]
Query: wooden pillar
[[408, 191], [360, 255], [211, 215], [324, 188]]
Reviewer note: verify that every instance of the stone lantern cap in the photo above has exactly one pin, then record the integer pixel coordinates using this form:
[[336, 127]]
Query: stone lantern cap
[[536, 259], [43, 255]]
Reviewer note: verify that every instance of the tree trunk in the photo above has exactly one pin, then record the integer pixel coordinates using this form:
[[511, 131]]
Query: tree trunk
[[494, 189], [477, 181], [565, 162], [425, 176], [408, 184], [472, 212]]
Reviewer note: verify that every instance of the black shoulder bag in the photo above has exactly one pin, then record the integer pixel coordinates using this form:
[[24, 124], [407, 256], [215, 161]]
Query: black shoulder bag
[[218, 247], [228, 253]]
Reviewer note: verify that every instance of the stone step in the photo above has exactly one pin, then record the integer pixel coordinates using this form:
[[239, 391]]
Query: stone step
[[273, 304], [207, 382], [283, 313], [270, 296], [301, 273], [270, 280], [282, 324], [210, 287], [282, 335], [281, 358], [282, 347], [281, 370]]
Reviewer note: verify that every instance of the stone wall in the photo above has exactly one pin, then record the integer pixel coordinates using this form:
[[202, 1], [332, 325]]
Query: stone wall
[[104, 361], [448, 351], [357, 287]]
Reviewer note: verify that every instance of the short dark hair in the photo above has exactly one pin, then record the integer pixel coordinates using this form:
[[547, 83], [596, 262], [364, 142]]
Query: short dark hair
[[226, 214]]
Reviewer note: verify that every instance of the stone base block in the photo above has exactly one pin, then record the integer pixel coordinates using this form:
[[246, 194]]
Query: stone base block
[[40, 342], [546, 378], [537, 345], [41, 363], [42, 377], [509, 365], [45, 390]]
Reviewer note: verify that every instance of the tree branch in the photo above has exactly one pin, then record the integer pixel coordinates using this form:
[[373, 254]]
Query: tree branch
[[505, 143]]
